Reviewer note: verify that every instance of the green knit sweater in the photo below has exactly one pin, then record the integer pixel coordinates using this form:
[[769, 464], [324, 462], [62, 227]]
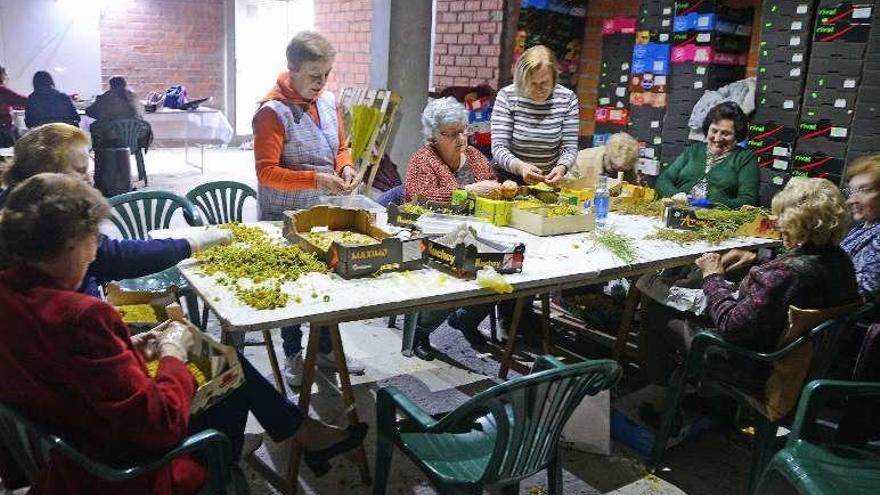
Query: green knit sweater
[[733, 182]]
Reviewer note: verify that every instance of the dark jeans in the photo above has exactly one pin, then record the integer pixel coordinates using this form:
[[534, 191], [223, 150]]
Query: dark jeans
[[276, 414], [291, 338], [465, 319]]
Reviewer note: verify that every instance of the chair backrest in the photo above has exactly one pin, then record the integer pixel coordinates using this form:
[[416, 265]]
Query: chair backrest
[[27, 443], [135, 214], [530, 412], [827, 339], [127, 131], [221, 201]]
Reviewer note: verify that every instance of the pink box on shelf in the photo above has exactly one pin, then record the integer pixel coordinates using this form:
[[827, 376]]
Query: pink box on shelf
[[619, 25]]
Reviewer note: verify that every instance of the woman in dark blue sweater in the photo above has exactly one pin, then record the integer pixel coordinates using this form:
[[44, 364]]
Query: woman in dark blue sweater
[[46, 104], [63, 148]]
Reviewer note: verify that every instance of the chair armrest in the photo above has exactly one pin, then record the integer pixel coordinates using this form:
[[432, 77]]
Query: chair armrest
[[817, 393], [544, 363], [704, 341], [211, 444], [390, 400]]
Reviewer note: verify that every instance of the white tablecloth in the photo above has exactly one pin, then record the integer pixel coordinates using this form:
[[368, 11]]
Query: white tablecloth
[[200, 126]]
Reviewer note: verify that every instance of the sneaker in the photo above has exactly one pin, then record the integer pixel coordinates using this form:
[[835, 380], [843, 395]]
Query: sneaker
[[328, 361], [293, 368], [252, 442]]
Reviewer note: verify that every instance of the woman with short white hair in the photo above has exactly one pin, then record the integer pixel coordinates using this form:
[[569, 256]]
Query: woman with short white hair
[[446, 162], [535, 121]]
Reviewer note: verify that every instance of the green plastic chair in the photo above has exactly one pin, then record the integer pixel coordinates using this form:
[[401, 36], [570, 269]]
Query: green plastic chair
[[126, 132], [221, 201], [498, 437], [135, 214], [812, 468], [825, 339], [32, 447]]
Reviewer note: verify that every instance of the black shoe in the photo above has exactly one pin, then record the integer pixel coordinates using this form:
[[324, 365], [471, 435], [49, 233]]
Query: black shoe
[[474, 338], [422, 348], [318, 461]]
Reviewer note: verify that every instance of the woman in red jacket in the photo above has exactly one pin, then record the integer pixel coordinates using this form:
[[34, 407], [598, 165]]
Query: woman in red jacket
[[68, 362]]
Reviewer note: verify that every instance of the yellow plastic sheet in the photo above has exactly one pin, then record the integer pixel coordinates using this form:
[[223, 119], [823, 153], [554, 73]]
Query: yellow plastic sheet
[[364, 121]]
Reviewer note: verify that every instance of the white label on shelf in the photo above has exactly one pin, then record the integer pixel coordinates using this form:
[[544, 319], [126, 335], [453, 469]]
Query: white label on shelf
[[780, 164], [604, 100], [781, 151], [624, 78], [803, 8], [797, 58], [797, 25], [794, 41], [796, 72], [655, 124], [840, 132], [620, 92], [658, 140], [704, 37], [663, 38], [778, 180], [788, 104], [849, 83], [840, 103], [659, 65], [862, 13], [701, 70], [667, 10], [665, 23], [648, 152], [703, 21], [659, 80], [698, 84], [624, 66]]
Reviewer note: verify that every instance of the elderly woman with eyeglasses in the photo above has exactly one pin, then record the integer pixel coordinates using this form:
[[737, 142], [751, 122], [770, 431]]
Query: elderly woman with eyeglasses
[[716, 172], [446, 162]]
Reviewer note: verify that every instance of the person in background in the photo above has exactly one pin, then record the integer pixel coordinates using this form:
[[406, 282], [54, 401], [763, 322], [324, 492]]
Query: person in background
[[619, 154], [63, 148], [718, 171], [117, 103], [69, 362], [46, 104], [445, 162], [9, 99], [862, 243], [535, 122], [300, 154]]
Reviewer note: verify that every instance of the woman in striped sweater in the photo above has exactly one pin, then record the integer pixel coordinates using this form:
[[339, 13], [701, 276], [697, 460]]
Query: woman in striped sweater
[[535, 121]]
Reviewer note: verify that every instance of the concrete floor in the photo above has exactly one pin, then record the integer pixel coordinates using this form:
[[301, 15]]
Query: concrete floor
[[715, 463]]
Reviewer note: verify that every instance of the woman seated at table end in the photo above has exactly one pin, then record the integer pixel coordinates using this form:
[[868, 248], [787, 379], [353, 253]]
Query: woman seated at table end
[[446, 162], [69, 363], [619, 154], [718, 172], [814, 273]]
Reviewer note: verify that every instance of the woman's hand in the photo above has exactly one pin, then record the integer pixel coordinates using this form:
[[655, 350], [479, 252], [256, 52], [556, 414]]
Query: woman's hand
[[200, 239], [485, 188], [530, 173], [146, 344], [710, 264], [330, 183], [555, 175], [738, 258], [175, 341], [350, 178]]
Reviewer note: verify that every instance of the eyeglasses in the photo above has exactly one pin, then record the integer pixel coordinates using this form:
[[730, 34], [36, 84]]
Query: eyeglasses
[[450, 135], [861, 191]]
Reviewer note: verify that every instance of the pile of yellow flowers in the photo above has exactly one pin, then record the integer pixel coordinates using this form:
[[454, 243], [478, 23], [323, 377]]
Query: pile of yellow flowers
[[137, 313], [323, 240], [198, 374]]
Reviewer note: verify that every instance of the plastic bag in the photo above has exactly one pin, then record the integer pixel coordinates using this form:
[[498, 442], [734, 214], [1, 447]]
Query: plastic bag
[[488, 278], [175, 97]]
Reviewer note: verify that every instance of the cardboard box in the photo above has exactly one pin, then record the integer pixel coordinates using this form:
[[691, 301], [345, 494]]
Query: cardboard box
[[157, 300], [347, 261], [534, 222], [628, 429], [397, 216], [675, 217], [494, 211], [464, 261]]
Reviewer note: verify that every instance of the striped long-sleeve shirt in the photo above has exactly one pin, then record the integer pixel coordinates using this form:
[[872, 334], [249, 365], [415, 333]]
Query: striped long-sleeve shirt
[[542, 133]]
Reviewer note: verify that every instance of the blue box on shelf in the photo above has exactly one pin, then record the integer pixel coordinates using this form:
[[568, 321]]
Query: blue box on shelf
[[651, 57], [535, 4]]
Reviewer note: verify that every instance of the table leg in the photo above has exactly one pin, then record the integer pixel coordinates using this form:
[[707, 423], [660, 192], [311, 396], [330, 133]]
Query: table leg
[[629, 310], [305, 397], [546, 344], [409, 333], [273, 361], [348, 399], [507, 357]]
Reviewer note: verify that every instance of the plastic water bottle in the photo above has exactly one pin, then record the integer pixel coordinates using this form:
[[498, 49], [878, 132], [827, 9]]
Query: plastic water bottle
[[600, 201]]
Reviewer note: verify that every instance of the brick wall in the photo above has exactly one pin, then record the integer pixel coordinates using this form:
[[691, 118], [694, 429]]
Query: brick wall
[[157, 43], [591, 53], [347, 24], [467, 43]]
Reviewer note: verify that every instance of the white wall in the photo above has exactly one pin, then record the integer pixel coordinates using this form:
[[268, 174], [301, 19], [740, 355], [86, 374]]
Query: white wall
[[59, 36]]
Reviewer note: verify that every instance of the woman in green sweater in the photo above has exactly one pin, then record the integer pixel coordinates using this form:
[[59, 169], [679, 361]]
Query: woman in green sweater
[[717, 171]]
